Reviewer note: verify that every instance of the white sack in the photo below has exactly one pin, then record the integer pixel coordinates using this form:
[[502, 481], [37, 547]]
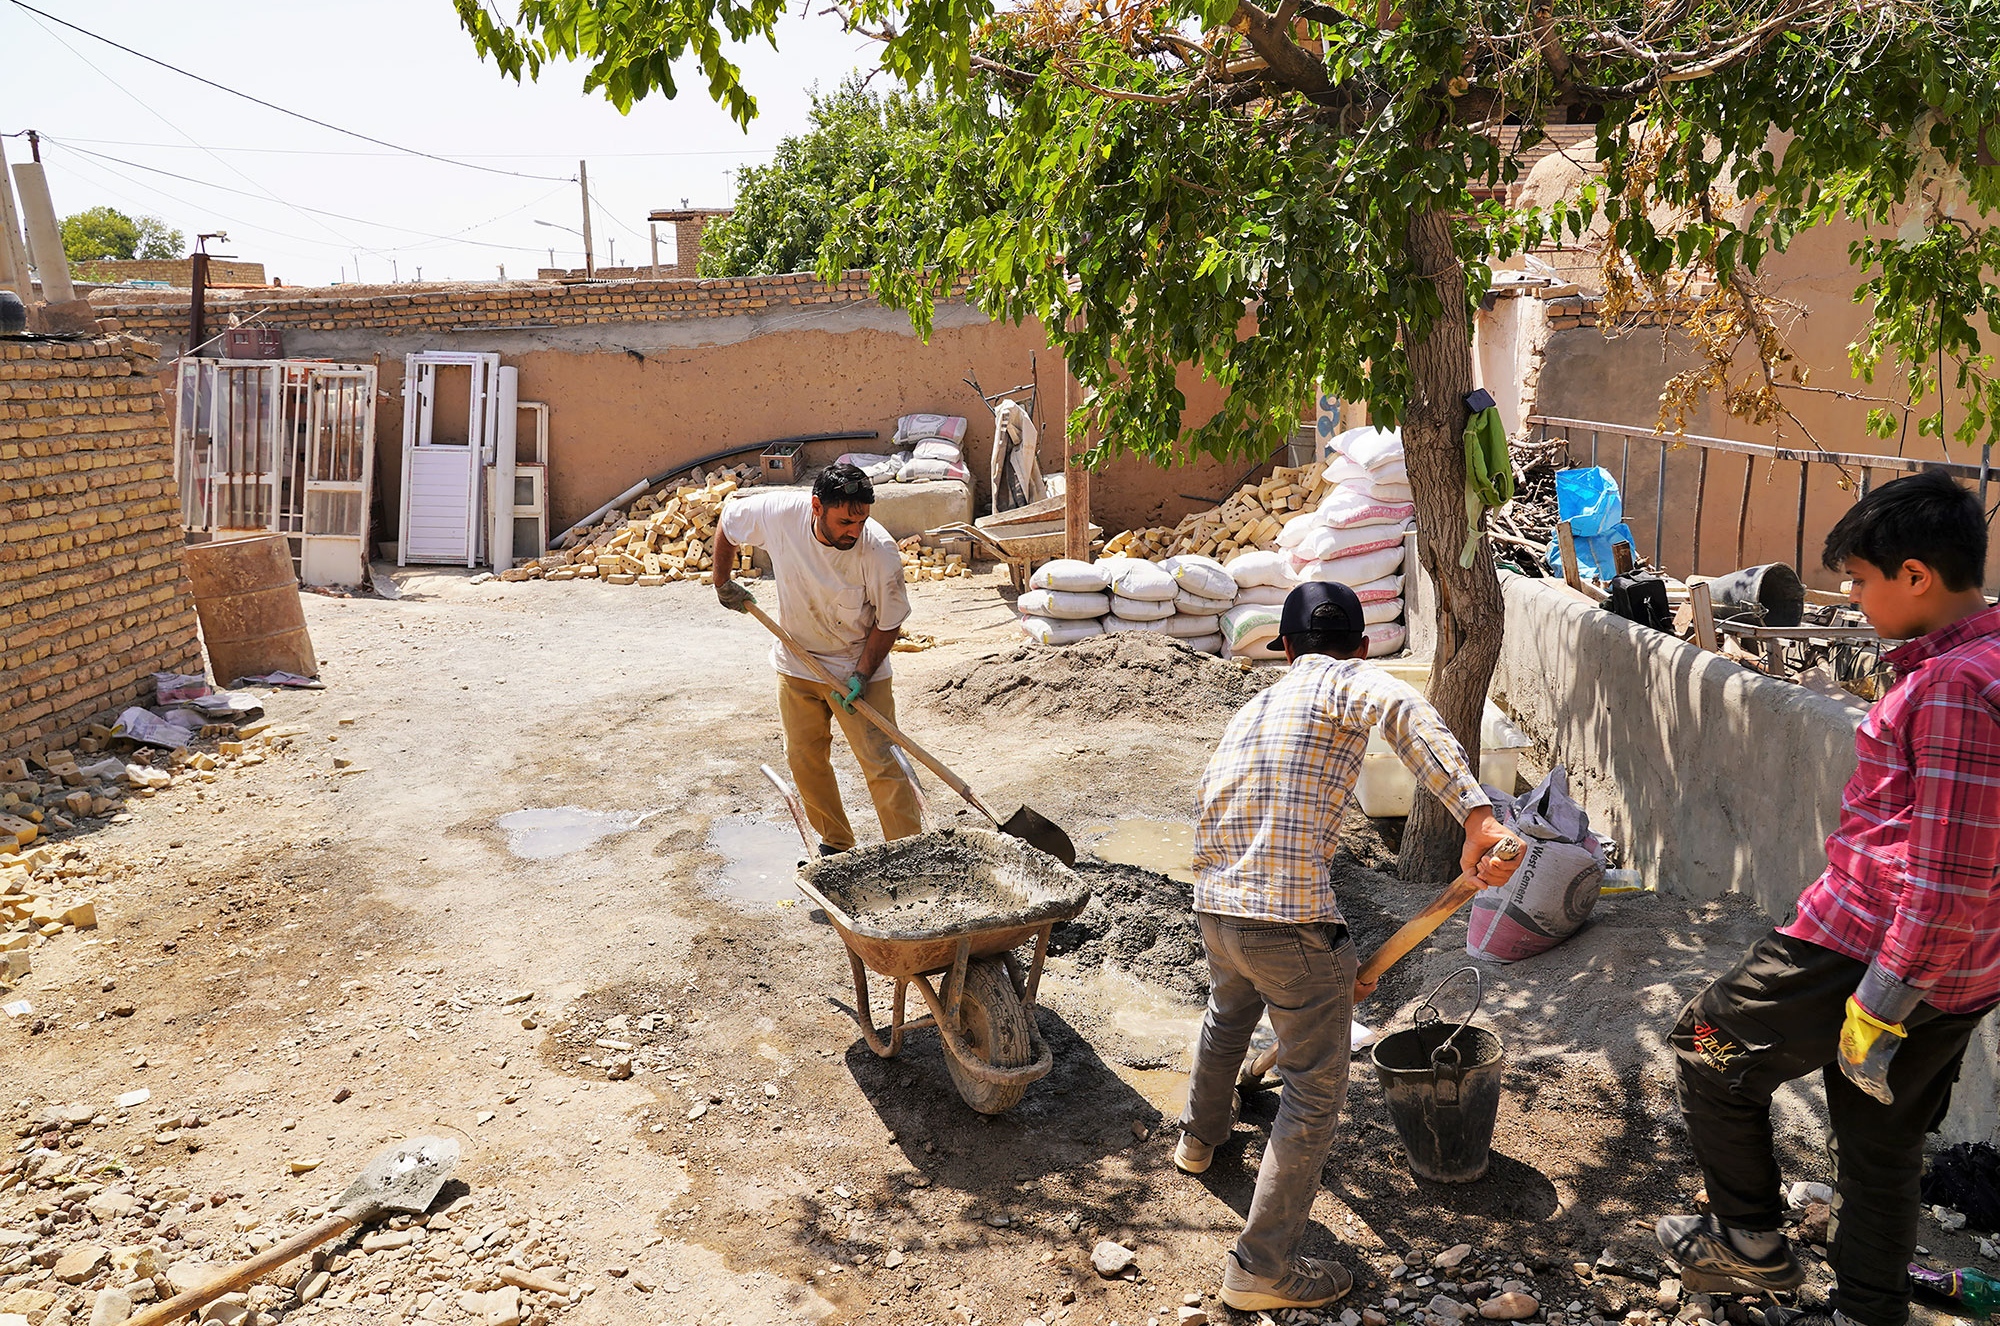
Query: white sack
[[1349, 506], [933, 449], [1371, 448], [1269, 596], [1186, 624], [1351, 571], [1141, 610], [924, 471], [1383, 610], [1045, 631], [1144, 580], [1207, 644], [1375, 591], [916, 427], [1068, 574], [1062, 605], [1258, 568], [1200, 575], [1385, 640], [1197, 605], [1116, 623]]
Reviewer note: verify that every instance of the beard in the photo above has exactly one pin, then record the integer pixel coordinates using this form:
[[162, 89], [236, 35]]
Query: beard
[[827, 536]]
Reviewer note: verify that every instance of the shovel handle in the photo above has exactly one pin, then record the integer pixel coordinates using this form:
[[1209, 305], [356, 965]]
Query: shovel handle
[[194, 1300], [874, 715]]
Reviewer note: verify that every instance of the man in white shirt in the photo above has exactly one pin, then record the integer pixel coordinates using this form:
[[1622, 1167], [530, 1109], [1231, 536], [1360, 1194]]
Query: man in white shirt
[[841, 597]]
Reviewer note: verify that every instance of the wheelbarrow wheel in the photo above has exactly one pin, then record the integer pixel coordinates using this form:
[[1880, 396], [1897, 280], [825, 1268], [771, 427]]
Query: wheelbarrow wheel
[[995, 1025]]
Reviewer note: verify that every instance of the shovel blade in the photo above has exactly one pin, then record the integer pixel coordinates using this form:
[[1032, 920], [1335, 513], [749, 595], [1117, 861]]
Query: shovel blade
[[1041, 833], [405, 1177]]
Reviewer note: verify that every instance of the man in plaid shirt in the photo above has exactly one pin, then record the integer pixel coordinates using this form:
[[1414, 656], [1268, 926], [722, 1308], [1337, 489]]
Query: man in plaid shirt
[[1893, 955], [1272, 798]]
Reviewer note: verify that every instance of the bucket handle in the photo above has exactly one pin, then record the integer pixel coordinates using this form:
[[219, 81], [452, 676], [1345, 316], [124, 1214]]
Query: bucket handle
[[1426, 1015]]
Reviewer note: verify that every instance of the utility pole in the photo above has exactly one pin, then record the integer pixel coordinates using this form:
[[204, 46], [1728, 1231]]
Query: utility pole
[[198, 305], [613, 241], [395, 274], [583, 182], [655, 231], [35, 144]]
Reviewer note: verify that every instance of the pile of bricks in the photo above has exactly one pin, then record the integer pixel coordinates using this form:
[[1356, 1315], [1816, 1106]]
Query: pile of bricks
[[921, 563], [1252, 517], [666, 534], [92, 599]]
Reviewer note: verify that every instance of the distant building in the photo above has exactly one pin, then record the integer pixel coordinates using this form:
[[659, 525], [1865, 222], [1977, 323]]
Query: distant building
[[177, 272], [688, 223]]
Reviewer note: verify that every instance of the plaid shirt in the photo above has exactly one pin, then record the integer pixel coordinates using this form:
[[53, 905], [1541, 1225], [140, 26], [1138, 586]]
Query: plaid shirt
[[1274, 792], [1912, 882]]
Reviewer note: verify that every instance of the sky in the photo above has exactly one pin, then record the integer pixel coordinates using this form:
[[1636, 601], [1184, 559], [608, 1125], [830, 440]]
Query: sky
[[316, 206]]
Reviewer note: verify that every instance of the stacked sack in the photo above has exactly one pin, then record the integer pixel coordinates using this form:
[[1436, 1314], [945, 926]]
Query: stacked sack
[[1184, 597], [1354, 537], [933, 443]]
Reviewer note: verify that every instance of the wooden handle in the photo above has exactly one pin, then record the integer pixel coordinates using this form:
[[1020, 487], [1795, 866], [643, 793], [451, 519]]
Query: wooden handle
[[873, 715], [1419, 927], [194, 1300]]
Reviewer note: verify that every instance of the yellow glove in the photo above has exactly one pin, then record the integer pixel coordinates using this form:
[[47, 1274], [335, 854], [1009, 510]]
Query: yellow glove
[[1867, 1044]]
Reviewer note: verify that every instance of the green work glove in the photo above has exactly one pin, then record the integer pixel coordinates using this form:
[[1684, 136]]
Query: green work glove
[[1867, 1044], [734, 597], [845, 699]]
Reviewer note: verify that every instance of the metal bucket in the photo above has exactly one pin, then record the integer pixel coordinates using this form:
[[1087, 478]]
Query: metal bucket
[[1768, 595], [1442, 1083], [247, 599]]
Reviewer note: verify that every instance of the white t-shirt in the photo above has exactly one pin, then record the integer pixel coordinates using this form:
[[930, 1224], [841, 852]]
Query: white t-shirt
[[828, 599]]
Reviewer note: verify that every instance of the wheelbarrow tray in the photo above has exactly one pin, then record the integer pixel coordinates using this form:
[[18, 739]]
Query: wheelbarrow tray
[[932, 905]]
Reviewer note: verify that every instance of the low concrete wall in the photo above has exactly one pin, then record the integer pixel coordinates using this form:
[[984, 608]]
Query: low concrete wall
[[1715, 778]]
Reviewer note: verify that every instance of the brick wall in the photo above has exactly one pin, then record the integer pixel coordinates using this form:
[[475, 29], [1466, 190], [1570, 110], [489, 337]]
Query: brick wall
[[163, 315], [174, 271], [92, 599]]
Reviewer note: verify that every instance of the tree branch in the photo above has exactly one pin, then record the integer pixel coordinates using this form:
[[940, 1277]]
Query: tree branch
[[1291, 65]]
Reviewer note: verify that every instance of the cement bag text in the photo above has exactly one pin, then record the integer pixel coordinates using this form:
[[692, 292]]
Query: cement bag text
[[1555, 886]]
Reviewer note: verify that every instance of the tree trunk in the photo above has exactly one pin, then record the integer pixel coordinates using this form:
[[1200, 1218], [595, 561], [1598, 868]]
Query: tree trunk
[[1469, 607]]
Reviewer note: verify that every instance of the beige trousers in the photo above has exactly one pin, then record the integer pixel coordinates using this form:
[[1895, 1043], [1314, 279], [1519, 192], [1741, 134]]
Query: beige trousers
[[806, 708]]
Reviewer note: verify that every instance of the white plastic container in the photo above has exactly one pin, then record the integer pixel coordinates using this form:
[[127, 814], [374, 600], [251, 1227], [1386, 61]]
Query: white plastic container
[[1387, 789]]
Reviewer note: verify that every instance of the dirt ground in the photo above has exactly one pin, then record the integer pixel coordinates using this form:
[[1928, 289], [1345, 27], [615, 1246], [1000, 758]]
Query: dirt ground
[[303, 962]]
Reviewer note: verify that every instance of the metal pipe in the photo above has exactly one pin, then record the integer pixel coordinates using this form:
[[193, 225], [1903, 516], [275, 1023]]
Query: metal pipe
[[1660, 505], [1700, 496], [1799, 543]]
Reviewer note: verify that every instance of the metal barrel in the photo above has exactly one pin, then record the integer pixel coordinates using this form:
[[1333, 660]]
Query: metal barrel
[[246, 597]]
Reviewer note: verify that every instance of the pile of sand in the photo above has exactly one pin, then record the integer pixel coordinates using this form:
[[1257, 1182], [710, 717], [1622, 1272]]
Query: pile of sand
[[1127, 674]]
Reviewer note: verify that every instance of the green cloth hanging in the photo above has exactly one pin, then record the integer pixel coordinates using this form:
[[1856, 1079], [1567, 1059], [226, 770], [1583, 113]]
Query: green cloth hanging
[[1489, 472]]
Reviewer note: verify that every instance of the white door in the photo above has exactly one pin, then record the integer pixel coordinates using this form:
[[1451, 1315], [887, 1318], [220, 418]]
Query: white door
[[339, 458], [441, 479]]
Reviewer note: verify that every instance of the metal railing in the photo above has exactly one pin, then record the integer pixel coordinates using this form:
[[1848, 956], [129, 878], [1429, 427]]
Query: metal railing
[[1857, 472]]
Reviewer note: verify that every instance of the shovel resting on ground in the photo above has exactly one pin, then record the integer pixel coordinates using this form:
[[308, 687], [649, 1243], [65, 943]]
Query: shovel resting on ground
[[1413, 932], [404, 1178], [1029, 826]]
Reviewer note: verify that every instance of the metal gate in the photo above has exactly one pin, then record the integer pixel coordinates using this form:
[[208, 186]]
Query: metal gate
[[280, 447]]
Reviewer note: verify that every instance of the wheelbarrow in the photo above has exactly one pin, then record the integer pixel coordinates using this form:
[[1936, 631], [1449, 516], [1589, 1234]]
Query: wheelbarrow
[[946, 912]]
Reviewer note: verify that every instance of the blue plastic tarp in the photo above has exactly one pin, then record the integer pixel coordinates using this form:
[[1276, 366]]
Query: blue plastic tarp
[[1589, 501]]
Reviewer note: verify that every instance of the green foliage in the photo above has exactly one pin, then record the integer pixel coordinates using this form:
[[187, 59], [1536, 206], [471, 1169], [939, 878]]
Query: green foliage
[[785, 208], [105, 232]]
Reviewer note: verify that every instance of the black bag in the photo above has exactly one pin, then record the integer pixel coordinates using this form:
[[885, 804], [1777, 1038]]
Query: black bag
[[1641, 597], [1966, 1178]]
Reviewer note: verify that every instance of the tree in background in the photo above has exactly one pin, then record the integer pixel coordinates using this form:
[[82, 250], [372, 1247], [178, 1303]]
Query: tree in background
[[105, 232], [785, 208], [1303, 193]]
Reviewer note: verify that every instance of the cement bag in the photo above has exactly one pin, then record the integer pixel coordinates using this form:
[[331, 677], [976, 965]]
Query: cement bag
[[1375, 591], [1345, 469], [1382, 610], [1371, 448], [1197, 606], [1385, 639], [924, 471], [917, 427], [1062, 605], [1555, 885], [1356, 570], [1141, 610], [1144, 580], [1347, 507], [932, 449], [1259, 568], [1187, 625], [1322, 543], [1196, 574], [1048, 631], [879, 469], [1392, 492], [1268, 596], [1070, 576], [1116, 623], [1207, 644], [1251, 631]]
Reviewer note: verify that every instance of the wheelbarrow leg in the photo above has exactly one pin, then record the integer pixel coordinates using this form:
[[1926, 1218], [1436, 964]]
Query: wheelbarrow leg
[[1032, 982], [866, 1016], [954, 987]]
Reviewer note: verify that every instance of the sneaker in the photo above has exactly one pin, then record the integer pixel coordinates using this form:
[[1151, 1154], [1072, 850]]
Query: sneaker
[[1308, 1282], [1711, 1264], [1194, 1156]]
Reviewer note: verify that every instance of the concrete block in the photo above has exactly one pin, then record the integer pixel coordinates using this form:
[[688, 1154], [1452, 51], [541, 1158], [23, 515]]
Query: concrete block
[[904, 509]]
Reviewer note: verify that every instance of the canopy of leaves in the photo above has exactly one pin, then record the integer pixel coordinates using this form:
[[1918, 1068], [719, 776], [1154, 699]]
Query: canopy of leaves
[[785, 208], [106, 232], [1165, 182]]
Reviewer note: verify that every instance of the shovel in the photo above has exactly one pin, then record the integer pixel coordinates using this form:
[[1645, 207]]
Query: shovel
[[1029, 826], [1413, 932], [403, 1178]]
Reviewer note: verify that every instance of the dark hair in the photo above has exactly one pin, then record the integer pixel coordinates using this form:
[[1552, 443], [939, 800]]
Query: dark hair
[[843, 485], [1342, 643], [1926, 517]]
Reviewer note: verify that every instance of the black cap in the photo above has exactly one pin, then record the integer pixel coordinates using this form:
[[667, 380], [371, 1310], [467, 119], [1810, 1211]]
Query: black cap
[[1321, 605]]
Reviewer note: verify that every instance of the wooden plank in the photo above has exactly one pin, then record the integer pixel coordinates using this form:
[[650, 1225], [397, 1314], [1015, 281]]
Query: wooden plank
[[1703, 603], [1572, 572], [1746, 631]]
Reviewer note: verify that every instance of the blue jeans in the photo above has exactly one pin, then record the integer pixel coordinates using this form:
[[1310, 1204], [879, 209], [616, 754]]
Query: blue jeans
[[1304, 975]]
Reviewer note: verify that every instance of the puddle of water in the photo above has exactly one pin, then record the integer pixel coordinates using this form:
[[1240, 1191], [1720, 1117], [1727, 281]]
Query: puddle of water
[[760, 860], [1166, 846], [538, 835]]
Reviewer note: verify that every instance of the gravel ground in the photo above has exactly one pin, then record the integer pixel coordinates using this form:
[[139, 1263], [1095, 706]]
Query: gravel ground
[[666, 1110]]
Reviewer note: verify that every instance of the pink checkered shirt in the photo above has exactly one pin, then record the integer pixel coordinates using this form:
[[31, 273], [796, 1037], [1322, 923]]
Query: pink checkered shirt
[[1913, 871]]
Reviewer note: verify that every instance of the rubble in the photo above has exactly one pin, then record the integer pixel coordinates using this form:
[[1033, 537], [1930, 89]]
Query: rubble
[[665, 535], [1251, 517]]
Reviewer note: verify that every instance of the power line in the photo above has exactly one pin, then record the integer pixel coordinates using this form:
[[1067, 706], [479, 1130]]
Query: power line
[[496, 156], [297, 115]]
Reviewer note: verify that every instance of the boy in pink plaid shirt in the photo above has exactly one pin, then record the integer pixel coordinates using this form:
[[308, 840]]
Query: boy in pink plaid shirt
[[1893, 955]]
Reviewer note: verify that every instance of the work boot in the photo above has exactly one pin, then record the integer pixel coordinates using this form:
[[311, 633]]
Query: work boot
[[1194, 1156], [1307, 1282], [1712, 1264]]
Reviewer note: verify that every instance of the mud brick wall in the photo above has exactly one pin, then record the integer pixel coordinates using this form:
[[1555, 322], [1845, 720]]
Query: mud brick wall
[[174, 271], [92, 599]]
